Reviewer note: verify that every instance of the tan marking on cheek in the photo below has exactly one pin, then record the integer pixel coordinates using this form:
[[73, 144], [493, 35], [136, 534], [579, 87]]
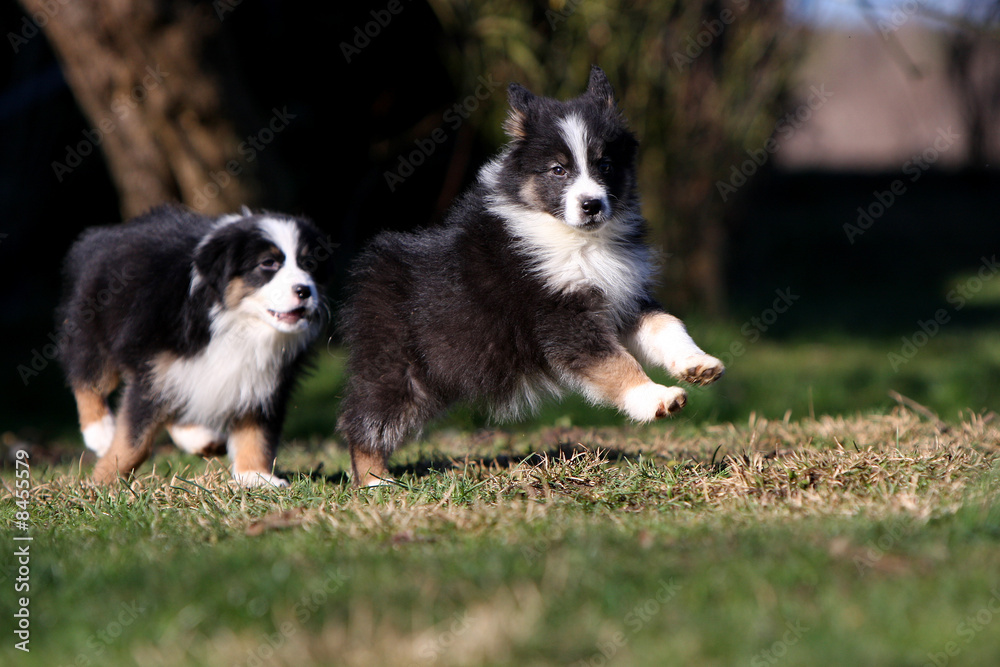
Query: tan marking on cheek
[[615, 375], [249, 447], [528, 194], [236, 291]]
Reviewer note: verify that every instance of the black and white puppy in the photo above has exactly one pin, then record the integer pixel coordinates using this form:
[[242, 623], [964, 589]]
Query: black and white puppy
[[538, 280], [205, 319]]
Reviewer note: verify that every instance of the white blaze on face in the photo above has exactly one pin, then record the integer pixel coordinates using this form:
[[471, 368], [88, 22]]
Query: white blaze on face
[[280, 296], [583, 186]]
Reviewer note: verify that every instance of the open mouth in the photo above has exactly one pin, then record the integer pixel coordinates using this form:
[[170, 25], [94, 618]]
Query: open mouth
[[289, 317]]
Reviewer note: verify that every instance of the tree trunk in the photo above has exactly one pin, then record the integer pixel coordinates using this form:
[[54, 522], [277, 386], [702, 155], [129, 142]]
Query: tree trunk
[[138, 71]]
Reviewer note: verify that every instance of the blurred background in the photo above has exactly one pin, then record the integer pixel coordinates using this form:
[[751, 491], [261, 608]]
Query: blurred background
[[820, 176]]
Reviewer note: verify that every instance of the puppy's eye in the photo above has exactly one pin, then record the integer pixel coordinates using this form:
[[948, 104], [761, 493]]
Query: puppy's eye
[[558, 170], [605, 166], [270, 264]]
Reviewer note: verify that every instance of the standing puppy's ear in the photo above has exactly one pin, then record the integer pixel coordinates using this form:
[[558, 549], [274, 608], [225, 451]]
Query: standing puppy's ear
[[214, 260], [600, 87], [520, 99]]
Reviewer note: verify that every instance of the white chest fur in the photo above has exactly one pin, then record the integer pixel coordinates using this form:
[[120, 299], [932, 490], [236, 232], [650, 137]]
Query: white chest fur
[[569, 258], [240, 368]]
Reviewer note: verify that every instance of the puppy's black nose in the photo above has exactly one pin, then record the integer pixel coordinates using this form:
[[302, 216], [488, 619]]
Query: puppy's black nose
[[303, 291], [591, 206]]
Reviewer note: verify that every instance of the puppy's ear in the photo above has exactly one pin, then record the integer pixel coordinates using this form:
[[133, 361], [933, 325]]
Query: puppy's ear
[[215, 259], [520, 99], [600, 87]]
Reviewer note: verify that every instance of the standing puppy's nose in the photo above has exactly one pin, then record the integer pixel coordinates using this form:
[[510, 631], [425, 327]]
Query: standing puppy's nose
[[591, 206], [302, 291]]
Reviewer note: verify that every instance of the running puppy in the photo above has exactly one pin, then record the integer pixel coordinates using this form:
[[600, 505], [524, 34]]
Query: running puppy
[[539, 280], [205, 319]]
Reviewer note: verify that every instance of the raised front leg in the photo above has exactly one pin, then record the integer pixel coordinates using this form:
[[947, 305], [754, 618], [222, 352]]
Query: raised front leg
[[662, 340], [616, 378]]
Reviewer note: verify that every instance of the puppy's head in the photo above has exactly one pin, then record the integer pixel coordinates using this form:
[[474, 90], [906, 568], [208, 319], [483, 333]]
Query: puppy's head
[[265, 266], [574, 160]]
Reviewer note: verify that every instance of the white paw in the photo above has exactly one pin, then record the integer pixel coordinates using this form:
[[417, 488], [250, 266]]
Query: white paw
[[653, 401], [98, 435], [376, 481], [698, 369], [257, 479], [195, 439]]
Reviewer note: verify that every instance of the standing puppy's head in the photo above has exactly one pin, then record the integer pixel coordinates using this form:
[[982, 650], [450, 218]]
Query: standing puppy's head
[[265, 266], [574, 160]]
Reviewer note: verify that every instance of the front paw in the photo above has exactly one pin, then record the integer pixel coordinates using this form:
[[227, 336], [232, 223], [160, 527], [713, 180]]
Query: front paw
[[258, 479], [653, 401], [698, 369]]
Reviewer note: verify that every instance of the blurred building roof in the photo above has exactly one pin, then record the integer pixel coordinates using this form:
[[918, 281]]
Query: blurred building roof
[[890, 99]]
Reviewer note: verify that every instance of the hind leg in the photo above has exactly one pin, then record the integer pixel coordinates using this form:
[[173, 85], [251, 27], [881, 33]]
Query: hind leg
[[138, 422], [97, 422], [368, 466], [379, 414]]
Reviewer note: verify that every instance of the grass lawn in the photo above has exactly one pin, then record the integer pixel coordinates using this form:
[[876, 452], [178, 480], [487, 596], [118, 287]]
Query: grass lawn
[[753, 529], [873, 539]]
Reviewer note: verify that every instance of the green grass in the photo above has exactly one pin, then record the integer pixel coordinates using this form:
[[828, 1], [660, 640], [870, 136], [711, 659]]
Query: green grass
[[752, 529], [872, 539]]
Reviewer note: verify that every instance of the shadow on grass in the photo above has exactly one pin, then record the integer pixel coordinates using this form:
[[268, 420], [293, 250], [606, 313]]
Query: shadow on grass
[[562, 452]]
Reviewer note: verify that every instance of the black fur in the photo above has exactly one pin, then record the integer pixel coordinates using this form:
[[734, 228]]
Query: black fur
[[459, 312], [129, 300]]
